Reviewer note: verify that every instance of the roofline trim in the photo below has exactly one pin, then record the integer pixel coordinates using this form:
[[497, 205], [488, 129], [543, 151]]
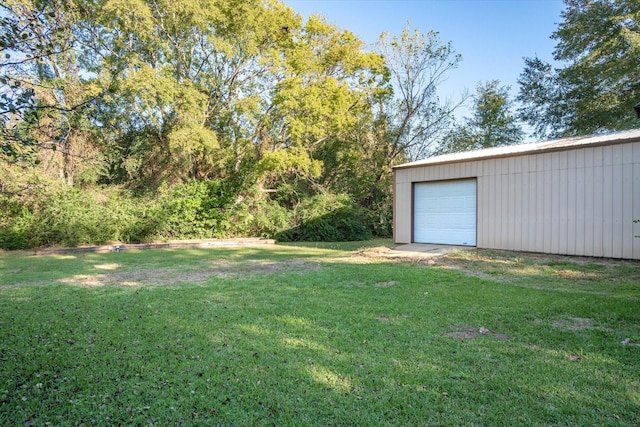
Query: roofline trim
[[537, 148]]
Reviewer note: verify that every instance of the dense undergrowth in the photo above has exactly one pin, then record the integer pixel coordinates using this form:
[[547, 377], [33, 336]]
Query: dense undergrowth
[[58, 215]]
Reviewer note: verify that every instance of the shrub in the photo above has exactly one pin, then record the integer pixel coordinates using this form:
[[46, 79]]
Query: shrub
[[199, 209], [327, 217], [14, 223]]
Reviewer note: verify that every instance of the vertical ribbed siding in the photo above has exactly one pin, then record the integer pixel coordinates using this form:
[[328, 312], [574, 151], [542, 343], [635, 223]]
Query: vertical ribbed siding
[[576, 202]]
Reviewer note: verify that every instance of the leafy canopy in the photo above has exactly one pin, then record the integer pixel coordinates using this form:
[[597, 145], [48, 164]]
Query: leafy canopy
[[598, 80]]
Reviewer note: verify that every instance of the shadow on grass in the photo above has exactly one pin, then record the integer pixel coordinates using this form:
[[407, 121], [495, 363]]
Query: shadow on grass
[[620, 278], [351, 341]]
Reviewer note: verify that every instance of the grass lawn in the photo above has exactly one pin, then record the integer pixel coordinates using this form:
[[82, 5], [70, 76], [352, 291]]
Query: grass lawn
[[317, 335]]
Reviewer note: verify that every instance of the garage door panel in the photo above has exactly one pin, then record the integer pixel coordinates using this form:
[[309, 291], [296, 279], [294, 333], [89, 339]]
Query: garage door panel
[[445, 212]]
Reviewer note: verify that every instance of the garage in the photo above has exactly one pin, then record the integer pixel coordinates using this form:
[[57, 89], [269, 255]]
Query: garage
[[445, 212], [572, 196]]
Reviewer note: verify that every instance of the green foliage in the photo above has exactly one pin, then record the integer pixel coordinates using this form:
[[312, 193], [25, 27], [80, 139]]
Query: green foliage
[[14, 223], [166, 119], [199, 209], [327, 218], [491, 125], [596, 86], [414, 122]]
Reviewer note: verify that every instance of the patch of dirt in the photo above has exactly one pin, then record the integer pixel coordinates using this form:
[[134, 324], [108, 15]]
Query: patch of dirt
[[528, 268], [573, 323], [386, 284], [468, 332], [197, 275], [376, 252]]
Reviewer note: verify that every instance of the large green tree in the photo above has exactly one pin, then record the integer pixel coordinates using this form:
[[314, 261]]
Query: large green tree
[[191, 83], [45, 96], [597, 80], [321, 110], [415, 119], [492, 123]]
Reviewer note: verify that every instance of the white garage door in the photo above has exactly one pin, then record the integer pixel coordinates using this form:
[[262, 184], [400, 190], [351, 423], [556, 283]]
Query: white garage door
[[445, 212]]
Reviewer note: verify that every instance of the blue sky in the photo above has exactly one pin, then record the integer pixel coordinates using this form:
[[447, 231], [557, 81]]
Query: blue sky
[[493, 36]]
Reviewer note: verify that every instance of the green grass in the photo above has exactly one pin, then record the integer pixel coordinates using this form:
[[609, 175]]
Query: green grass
[[317, 335]]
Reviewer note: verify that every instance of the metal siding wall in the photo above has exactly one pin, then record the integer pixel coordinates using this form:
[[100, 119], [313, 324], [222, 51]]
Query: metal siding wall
[[616, 227], [627, 211], [609, 175], [635, 196], [517, 213], [563, 206], [483, 196], [598, 218], [402, 232]]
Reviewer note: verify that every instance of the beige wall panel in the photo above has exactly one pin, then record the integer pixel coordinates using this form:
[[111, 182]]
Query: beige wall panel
[[530, 194], [607, 155], [497, 167], [539, 162], [579, 158], [627, 210], [502, 193], [467, 167], [571, 159], [636, 153], [523, 192], [403, 218], [518, 164], [484, 211], [511, 165], [525, 164], [415, 174], [608, 178], [486, 168], [494, 208], [510, 212], [538, 238], [555, 161], [618, 155], [571, 210], [482, 196], [617, 205], [563, 241], [598, 219], [597, 156], [556, 215], [457, 170], [517, 214], [547, 193], [490, 167], [636, 202], [588, 205], [588, 157], [562, 159], [580, 212], [533, 162], [627, 154]]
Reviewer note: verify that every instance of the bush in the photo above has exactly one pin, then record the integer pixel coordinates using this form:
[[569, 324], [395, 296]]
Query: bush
[[199, 209], [72, 217], [327, 217], [59, 215], [14, 223]]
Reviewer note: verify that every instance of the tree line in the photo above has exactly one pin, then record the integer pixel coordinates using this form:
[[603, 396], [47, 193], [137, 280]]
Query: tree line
[[157, 119]]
